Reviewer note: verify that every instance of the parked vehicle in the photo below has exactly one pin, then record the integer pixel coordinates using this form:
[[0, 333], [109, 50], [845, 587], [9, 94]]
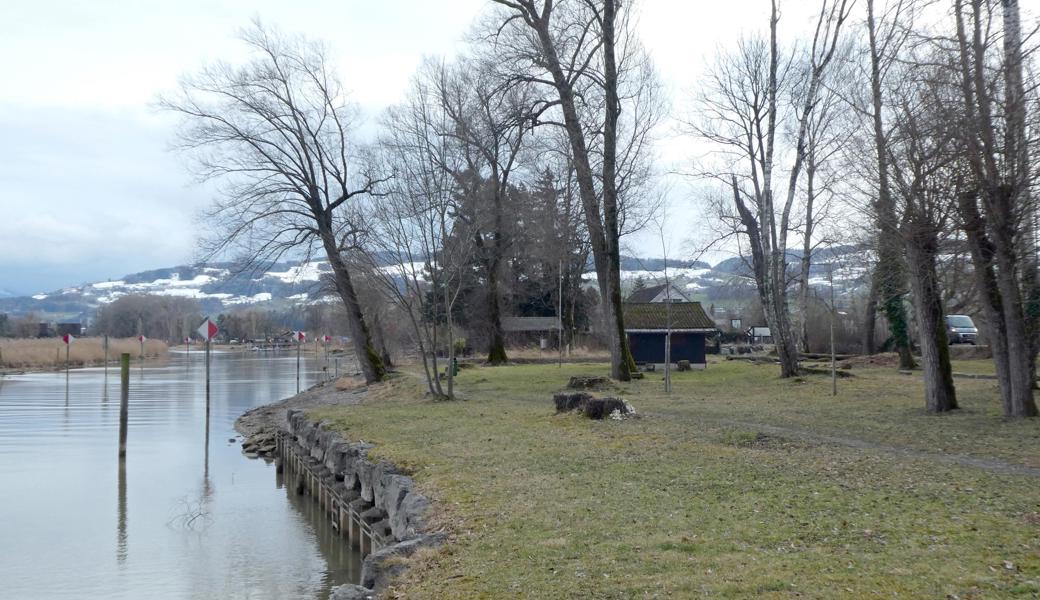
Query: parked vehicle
[[961, 329]]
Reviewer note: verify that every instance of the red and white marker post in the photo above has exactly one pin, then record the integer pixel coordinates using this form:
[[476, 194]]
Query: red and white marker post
[[208, 330], [67, 338], [299, 337], [142, 339], [327, 339]]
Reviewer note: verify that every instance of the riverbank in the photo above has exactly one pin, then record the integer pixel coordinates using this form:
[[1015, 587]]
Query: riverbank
[[738, 484], [374, 504], [258, 426]]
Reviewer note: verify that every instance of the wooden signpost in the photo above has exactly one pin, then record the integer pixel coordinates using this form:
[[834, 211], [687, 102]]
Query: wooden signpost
[[67, 338], [208, 330], [124, 400], [327, 339], [299, 337]]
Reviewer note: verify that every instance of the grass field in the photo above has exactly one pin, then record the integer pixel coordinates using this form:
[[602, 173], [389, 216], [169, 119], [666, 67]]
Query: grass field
[[46, 353], [738, 485]]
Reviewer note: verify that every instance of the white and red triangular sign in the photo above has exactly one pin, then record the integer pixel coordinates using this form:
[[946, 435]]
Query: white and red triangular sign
[[67, 338], [300, 336], [141, 338], [328, 338], [208, 330]]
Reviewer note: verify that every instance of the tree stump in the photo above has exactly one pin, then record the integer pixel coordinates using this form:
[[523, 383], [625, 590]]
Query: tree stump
[[568, 401], [600, 408], [587, 382]]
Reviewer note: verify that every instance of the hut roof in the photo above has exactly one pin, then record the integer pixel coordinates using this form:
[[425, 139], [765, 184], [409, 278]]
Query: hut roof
[[655, 316]]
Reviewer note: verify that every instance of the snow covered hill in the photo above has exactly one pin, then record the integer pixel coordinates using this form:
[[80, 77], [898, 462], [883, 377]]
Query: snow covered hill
[[217, 287], [220, 287]]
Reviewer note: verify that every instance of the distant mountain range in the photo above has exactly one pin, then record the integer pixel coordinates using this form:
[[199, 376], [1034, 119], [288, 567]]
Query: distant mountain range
[[220, 287]]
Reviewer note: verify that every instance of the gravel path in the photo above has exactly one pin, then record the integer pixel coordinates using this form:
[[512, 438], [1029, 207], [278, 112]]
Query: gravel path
[[266, 419]]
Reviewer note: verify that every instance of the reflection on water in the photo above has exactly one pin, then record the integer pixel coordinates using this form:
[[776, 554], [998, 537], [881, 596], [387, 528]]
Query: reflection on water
[[207, 522], [121, 527]]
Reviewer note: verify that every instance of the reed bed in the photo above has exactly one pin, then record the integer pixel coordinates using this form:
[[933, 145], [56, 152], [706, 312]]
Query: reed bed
[[44, 353]]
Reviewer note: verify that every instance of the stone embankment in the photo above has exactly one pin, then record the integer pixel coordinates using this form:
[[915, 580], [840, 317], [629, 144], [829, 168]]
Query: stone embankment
[[376, 507]]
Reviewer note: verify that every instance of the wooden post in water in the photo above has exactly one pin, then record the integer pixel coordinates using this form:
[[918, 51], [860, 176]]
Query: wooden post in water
[[299, 343], [207, 381], [106, 355], [124, 400]]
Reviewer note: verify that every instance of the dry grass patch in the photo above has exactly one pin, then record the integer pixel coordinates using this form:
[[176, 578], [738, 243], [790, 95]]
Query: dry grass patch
[[46, 353], [350, 382], [703, 497]]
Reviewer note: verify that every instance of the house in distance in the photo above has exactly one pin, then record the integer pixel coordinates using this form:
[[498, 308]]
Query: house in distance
[[658, 293], [647, 324]]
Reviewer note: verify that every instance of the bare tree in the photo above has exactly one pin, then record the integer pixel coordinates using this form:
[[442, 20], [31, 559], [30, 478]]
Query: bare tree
[[1000, 230], [489, 119], [886, 38], [275, 132], [824, 138], [922, 159], [741, 113], [409, 252], [584, 52]]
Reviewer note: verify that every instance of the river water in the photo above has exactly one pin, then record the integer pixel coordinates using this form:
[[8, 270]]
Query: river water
[[187, 517]]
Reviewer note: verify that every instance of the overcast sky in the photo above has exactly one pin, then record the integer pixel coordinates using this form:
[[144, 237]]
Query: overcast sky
[[88, 189]]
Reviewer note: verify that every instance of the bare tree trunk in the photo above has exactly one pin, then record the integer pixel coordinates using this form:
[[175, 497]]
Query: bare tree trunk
[[371, 365], [1017, 151], [889, 274], [380, 336], [431, 380], [803, 306], [986, 281], [434, 362], [601, 218], [496, 338], [773, 300], [450, 368], [780, 327], [870, 318], [1002, 193], [610, 193], [806, 262], [921, 245]]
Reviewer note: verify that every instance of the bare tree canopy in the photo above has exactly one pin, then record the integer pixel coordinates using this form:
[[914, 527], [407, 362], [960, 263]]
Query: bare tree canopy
[[274, 132], [742, 112], [586, 57]]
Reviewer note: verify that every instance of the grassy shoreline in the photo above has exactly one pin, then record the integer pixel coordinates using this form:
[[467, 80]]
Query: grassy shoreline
[[733, 487]]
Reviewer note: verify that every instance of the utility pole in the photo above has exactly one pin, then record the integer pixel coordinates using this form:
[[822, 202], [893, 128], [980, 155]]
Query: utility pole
[[559, 316], [834, 372]]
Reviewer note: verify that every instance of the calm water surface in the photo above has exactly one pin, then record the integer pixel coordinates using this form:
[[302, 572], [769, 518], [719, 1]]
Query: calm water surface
[[188, 516]]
